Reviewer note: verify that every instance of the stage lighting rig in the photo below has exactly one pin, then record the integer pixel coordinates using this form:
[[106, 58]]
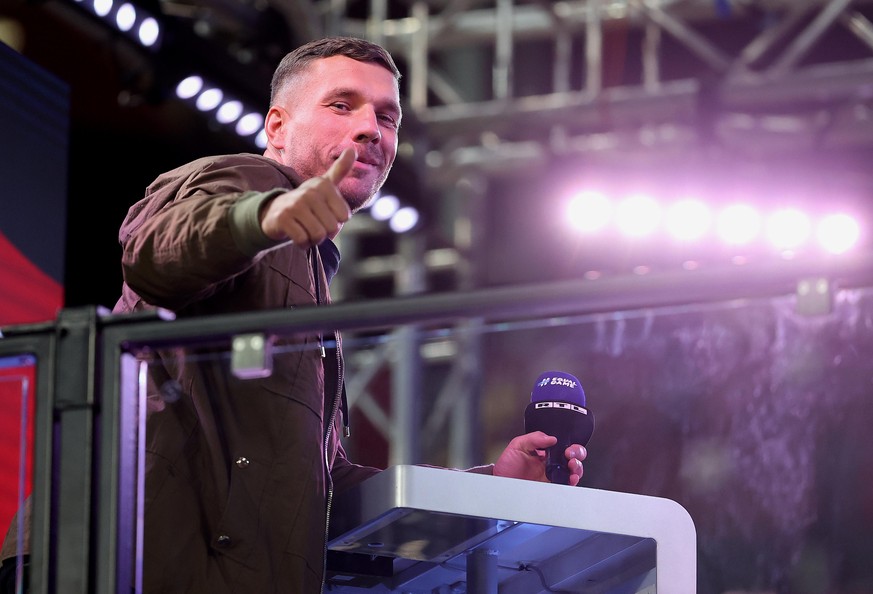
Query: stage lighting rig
[[133, 21]]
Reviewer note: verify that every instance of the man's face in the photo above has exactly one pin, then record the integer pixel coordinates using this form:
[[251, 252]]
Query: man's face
[[338, 103]]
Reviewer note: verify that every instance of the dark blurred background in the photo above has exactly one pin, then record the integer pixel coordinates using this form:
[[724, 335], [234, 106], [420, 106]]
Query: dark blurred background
[[708, 97]]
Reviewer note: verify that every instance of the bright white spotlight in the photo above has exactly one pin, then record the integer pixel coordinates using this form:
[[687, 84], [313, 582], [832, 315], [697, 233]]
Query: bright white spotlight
[[405, 219], [229, 111], [589, 211], [249, 124], [125, 17], [688, 220], [209, 99], [189, 87], [738, 224], [261, 139], [638, 215], [788, 228], [838, 233], [148, 32], [384, 207], [102, 7]]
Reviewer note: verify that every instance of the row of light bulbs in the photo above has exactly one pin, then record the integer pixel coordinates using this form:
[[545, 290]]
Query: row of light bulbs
[[127, 18], [228, 111], [691, 220]]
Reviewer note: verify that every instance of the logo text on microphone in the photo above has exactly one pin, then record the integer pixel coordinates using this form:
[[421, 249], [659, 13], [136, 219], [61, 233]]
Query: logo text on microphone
[[557, 381], [563, 405]]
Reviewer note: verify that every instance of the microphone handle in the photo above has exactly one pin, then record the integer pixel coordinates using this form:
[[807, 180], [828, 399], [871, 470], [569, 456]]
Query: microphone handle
[[556, 466]]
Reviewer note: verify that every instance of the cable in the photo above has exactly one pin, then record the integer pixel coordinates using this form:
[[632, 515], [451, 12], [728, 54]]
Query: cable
[[538, 571], [519, 567]]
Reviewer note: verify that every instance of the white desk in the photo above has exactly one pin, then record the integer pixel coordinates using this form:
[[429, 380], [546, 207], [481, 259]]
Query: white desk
[[417, 529]]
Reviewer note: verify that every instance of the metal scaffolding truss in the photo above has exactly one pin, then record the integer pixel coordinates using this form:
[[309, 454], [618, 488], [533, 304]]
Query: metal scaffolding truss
[[765, 74], [500, 87], [495, 88], [752, 79]]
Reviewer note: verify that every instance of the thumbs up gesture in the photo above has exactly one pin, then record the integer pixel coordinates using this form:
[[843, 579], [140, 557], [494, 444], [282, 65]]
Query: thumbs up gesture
[[313, 211]]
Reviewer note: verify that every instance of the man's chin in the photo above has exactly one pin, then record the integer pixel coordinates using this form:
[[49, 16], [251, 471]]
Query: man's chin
[[357, 201], [358, 195]]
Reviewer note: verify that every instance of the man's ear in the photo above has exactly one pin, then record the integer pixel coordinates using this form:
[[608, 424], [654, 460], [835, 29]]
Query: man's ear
[[274, 124]]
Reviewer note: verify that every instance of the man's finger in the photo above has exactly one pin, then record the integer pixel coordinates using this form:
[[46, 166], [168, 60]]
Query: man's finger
[[341, 166], [538, 439]]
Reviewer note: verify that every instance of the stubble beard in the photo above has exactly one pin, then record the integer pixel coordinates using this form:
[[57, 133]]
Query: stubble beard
[[361, 199]]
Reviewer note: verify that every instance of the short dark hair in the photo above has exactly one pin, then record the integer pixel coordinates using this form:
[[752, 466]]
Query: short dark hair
[[351, 47]]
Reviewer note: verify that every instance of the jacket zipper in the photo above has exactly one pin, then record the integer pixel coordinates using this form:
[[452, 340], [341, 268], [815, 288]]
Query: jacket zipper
[[318, 277], [336, 403]]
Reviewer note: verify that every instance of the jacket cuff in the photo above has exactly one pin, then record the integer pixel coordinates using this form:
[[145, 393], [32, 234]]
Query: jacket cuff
[[245, 222], [487, 469]]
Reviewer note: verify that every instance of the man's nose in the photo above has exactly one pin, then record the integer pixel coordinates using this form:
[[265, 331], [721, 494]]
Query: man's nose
[[367, 126]]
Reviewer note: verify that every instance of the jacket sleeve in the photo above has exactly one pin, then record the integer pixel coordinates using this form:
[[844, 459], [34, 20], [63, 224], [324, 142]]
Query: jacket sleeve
[[186, 239], [345, 474]]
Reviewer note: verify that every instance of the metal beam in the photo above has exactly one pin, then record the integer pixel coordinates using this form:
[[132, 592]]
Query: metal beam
[[741, 92]]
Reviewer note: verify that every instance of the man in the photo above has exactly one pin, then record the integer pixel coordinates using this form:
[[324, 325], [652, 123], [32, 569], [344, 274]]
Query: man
[[240, 473]]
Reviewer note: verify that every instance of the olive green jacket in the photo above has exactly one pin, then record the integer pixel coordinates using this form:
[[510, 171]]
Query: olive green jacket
[[238, 471]]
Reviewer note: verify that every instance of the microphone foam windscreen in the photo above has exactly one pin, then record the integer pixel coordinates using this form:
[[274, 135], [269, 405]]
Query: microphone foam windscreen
[[558, 386]]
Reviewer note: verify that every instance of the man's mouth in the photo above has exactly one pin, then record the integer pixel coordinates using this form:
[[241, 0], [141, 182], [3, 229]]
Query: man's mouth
[[373, 162]]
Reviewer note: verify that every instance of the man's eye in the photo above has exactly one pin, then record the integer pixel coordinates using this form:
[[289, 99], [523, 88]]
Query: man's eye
[[342, 106], [389, 120]]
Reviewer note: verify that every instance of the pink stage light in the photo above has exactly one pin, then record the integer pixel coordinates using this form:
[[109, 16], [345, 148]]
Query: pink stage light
[[638, 215], [788, 229], [838, 233], [589, 211], [688, 220], [738, 224]]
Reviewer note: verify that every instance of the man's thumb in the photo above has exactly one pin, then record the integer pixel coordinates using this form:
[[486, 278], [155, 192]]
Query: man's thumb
[[341, 166]]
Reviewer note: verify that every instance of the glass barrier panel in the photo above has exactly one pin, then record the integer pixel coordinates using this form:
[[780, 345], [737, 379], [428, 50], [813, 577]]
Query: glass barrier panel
[[17, 378], [751, 415], [754, 417], [215, 435]]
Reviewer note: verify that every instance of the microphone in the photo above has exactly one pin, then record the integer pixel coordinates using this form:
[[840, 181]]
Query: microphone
[[557, 407]]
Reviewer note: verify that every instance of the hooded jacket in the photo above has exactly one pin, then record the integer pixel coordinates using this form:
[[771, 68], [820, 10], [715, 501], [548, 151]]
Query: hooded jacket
[[239, 472]]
